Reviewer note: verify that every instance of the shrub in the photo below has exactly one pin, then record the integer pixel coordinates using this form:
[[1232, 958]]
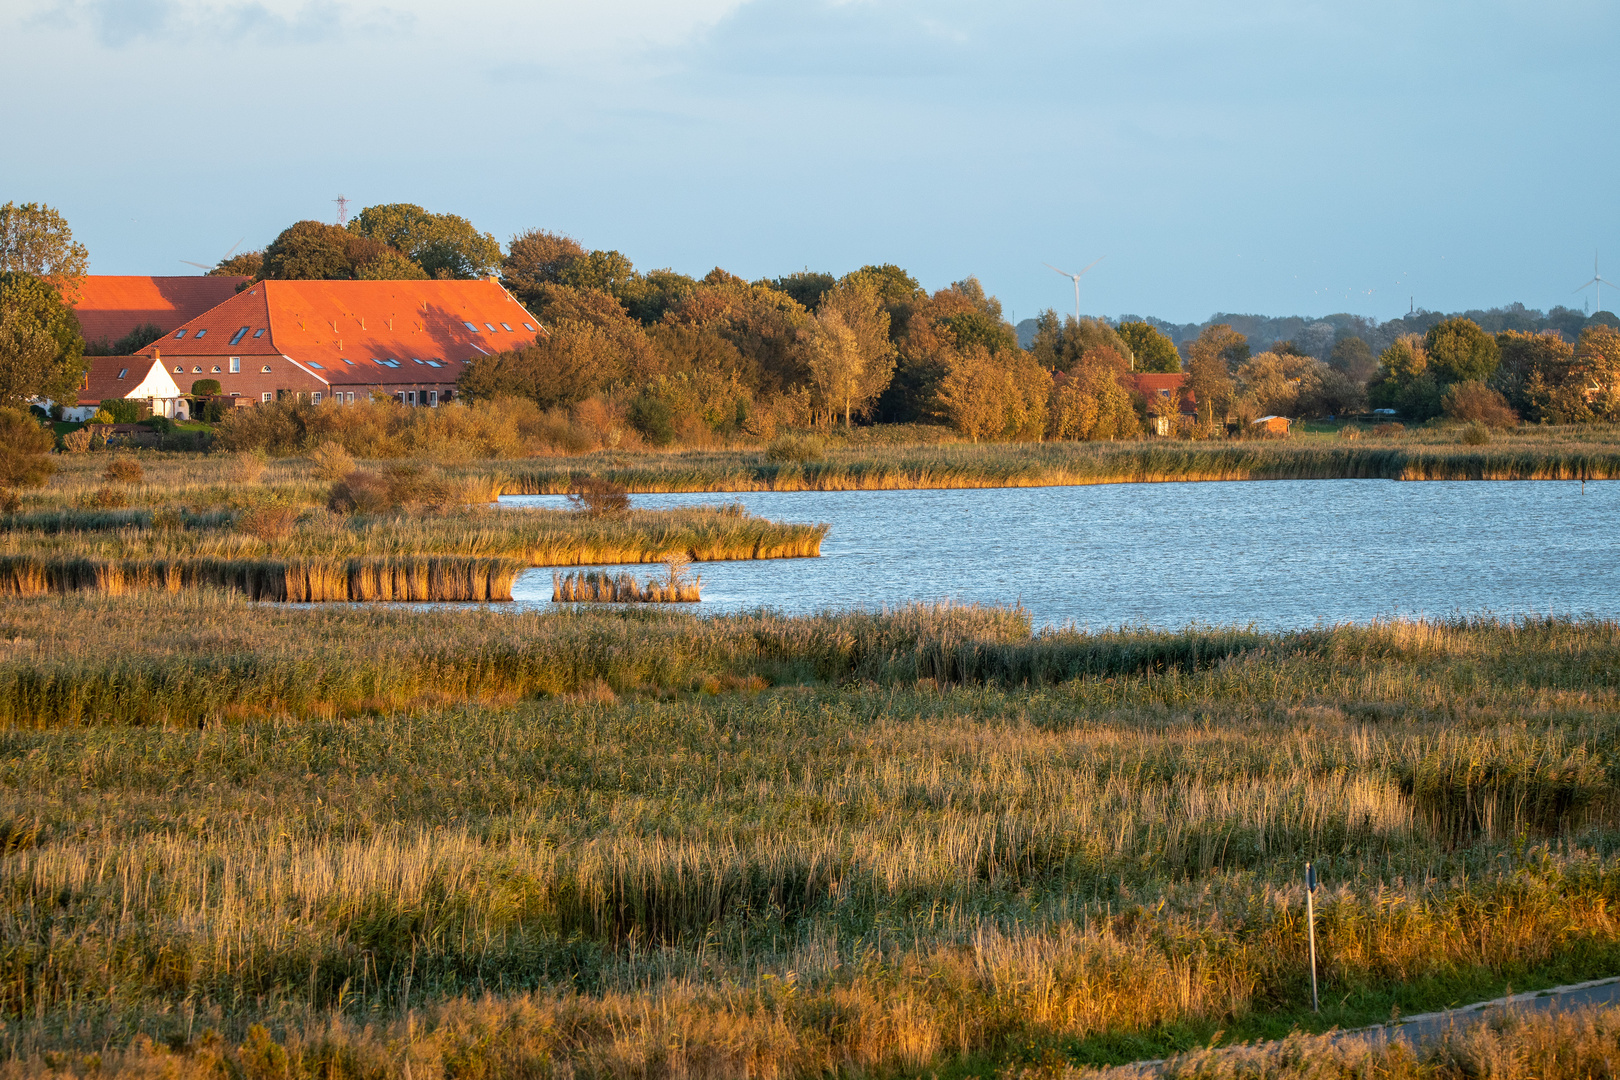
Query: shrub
[[1476, 434], [268, 521], [246, 468], [1350, 431], [595, 497], [121, 411], [123, 469], [1388, 429], [24, 445], [77, 441], [795, 448], [102, 416], [205, 388], [360, 492], [105, 498], [1479, 404], [332, 462], [652, 416]]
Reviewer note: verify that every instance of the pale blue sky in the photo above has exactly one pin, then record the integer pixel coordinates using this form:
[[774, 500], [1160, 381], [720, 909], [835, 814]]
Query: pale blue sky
[[1277, 158]]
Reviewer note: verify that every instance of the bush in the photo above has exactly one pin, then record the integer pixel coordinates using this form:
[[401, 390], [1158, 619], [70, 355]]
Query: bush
[[268, 522], [795, 448], [595, 497], [1350, 431], [360, 492], [332, 462], [77, 441], [651, 415], [24, 445], [205, 388], [1476, 434], [123, 469], [104, 498], [102, 416], [1388, 429], [246, 468], [1478, 404], [121, 411]]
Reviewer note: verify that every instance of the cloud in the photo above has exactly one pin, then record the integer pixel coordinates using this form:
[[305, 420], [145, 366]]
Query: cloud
[[124, 23]]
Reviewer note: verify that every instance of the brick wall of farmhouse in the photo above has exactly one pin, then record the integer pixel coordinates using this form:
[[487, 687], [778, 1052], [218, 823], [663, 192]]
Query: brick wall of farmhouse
[[253, 382]]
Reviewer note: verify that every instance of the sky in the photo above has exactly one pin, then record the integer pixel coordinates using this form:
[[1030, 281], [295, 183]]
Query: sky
[[1269, 158]]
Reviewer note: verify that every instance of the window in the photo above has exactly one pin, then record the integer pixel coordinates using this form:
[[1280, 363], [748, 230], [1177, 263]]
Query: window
[[530, 328], [215, 370], [414, 360], [259, 333], [346, 360], [265, 369], [236, 364], [507, 328], [179, 369], [122, 372], [491, 327], [199, 333], [434, 363], [239, 335], [267, 396], [410, 397], [178, 334], [315, 398], [433, 399], [318, 367], [470, 326], [235, 393], [349, 397], [197, 370]]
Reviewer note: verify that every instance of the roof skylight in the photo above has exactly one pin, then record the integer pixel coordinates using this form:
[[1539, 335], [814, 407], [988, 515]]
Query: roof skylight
[[470, 326], [530, 329], [313, 364], [433, 363], [508, 328], [200, 333], [239, 335], [180, 333], [491, 327], [346, 360], [259, 333], [122, 372]]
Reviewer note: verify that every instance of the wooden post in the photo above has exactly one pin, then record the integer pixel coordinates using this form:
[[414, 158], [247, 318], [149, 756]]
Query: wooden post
[[1310, 919]]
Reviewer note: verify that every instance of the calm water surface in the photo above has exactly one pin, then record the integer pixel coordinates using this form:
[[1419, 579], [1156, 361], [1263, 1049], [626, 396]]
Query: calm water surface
[[1275, 553]]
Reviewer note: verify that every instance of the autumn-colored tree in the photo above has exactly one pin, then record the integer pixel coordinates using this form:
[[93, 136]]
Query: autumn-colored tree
[[1597, 367], [1474, 402], [1404, 381], [1353, 358], [536, 257], [1209, 370], [1532, 368], [1091, 402], [248, 264], [1151, 349], [24, 448], [988, 396], [851, 358], [309, 250]]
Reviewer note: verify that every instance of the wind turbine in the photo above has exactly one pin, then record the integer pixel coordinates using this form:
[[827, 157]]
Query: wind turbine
[[1599, 281], [227, 255], [1076, 278]]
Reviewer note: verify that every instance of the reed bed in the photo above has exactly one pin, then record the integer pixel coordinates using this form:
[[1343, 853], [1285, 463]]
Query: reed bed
[[423, 578], [637, 843], [600, 587]]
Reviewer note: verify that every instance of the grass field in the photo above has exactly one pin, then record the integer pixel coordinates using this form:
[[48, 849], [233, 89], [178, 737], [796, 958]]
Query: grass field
[[372, 842]]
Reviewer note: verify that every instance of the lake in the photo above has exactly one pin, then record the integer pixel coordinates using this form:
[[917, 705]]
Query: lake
[[1277, 554]]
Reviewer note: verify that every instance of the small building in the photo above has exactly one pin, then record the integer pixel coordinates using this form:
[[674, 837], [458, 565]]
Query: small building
[[1271, 425], [1165, 386], [343, 341], [130, 378], [110, 306]]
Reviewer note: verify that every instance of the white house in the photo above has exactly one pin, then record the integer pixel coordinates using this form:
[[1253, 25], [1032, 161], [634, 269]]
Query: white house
[[135, 378]]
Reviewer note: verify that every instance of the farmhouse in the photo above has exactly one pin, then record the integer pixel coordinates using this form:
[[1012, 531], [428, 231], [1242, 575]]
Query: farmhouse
[[134, 378], [110, 307], [344, 341], [1271, 425], [1166, 386]]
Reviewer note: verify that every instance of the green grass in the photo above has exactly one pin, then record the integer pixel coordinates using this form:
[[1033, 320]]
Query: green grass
[[646, 843]]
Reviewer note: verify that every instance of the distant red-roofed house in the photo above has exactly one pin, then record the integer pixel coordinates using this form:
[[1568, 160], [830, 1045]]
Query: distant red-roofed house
[[1166, 385], [345, 340], [110, 306], [136, 378]]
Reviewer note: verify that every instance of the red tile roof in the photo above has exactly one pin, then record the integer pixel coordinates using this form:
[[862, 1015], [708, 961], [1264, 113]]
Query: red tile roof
[[1150, 384], [102, 382], [341, 329], [110, 306]]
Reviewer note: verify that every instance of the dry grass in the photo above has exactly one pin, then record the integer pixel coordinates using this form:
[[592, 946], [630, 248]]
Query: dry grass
[[621, 588]]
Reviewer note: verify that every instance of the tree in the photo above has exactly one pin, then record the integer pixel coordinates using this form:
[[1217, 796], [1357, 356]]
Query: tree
[[1475, 402], [1152, 350], [1597, 369], [806, 286], [1405, 382], [1047, 345], [36, 240], [389, 265], [309, 250], [248, 264], [1091, 402], [577, 360], [973, 394], [444, 245], [1209, 369], [41, 349], [536, 257], [1532, 368], [1460, 351], [608, 271], [1353, 358], [24, 448], [851, 357], [1086, 335]]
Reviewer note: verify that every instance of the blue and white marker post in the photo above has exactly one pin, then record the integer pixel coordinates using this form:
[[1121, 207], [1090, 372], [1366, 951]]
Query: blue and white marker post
[[1310, 920]]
